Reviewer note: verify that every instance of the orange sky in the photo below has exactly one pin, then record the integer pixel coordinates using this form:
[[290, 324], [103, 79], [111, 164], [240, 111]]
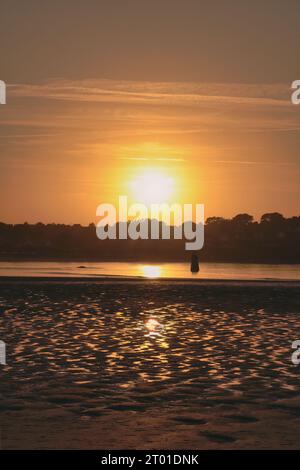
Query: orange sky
[[199, 94]]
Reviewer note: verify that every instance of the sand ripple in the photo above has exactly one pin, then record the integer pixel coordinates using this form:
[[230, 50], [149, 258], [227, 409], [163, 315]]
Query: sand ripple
[[96, 348]]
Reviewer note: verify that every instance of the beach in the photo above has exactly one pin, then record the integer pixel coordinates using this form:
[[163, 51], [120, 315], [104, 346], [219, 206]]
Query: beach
[[117, 363]]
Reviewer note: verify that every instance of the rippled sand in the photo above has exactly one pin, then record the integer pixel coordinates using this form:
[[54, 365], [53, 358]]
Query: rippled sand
[[149, 365]]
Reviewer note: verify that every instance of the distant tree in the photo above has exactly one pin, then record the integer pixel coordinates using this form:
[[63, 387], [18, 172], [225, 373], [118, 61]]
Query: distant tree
[[274, 239], [272, 218], [242, 220], [215, 220]]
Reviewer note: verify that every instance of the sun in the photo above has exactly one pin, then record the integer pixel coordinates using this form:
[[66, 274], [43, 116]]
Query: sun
[[152, 186]]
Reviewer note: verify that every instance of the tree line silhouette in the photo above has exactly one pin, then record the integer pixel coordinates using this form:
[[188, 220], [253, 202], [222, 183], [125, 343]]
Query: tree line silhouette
[[274, 239]]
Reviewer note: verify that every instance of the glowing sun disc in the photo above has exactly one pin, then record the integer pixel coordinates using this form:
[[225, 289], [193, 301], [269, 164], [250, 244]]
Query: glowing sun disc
[[152, 187]]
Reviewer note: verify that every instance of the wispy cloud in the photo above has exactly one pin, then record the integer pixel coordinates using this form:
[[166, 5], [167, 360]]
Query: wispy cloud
[[254, 162], [168, 93], [110, 109], [153, 159]]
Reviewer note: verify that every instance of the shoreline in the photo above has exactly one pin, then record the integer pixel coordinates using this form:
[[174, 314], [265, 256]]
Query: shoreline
[[111, 279], [17, 259]]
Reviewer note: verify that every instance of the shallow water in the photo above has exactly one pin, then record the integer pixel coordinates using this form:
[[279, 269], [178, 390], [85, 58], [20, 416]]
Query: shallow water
[[237, 271], [92, 348]]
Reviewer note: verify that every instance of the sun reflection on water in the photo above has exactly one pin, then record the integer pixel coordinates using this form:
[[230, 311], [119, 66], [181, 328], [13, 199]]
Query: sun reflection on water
[[151, 271]]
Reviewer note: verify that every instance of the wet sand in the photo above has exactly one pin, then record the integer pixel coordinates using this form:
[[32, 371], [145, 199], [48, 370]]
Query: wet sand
[[114, 364]]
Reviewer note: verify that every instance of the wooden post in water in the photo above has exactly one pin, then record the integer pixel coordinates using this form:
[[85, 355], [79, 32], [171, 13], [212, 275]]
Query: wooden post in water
[[194, 263]]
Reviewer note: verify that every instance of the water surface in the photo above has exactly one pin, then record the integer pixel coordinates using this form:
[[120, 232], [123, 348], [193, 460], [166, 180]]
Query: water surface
[[166, 270]]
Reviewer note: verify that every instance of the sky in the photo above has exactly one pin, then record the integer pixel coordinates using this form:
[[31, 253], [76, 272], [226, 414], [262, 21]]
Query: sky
[[100, 94]]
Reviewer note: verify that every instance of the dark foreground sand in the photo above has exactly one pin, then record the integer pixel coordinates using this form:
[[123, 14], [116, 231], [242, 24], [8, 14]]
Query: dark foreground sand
[[152, 364]]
